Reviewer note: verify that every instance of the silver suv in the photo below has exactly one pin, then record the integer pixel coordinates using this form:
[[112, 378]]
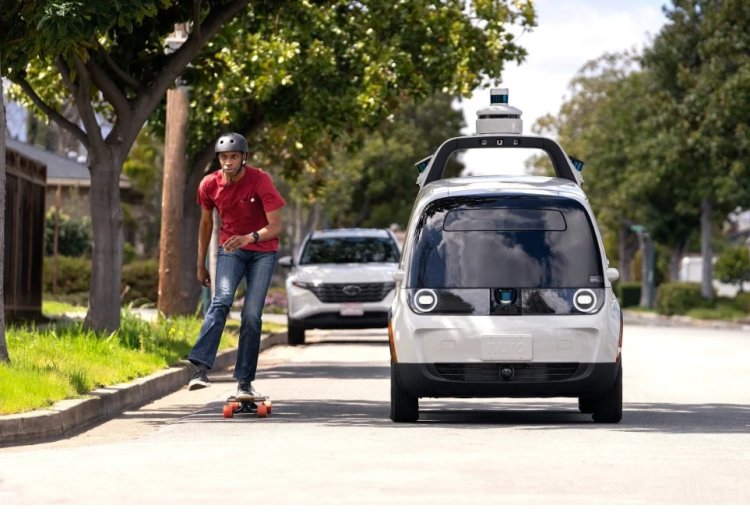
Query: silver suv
[[340, 278]]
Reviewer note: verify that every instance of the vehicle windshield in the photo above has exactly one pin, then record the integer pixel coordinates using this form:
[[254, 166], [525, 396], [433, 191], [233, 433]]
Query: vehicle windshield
[[350, 250], [513, 241]]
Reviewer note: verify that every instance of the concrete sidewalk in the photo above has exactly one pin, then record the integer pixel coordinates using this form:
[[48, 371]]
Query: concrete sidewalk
[[70, 417]]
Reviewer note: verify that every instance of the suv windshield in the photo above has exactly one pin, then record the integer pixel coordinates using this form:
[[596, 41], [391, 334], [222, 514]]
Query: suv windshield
[[510, 241], [349, 250]]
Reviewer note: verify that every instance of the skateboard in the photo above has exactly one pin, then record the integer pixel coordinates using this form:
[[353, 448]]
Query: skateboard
[[259, 405]]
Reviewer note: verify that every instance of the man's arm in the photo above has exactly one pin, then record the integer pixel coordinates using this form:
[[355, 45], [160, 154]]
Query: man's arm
[[205, 230], [267, 233]]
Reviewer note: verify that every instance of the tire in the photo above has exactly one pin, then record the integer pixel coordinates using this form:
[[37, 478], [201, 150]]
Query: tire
[[404, 408], [586, 405], [295, 333], [609, 407]]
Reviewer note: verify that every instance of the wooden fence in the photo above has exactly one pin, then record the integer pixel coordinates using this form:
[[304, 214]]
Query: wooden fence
[[24, 236]]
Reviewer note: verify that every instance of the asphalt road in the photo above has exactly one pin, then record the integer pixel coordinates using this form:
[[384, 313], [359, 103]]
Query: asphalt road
[[684, 438]]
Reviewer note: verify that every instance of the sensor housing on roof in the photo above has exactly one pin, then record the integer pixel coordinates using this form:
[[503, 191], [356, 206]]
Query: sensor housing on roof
[[499, 117]]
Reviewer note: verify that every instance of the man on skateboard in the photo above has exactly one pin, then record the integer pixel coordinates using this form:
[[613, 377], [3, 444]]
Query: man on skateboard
[[250, 210]]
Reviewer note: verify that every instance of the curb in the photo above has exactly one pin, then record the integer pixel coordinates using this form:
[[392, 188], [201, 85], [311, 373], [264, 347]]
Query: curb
[[69, 417]]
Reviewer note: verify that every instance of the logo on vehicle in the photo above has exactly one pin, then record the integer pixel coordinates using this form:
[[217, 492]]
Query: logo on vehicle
[[351, 290]]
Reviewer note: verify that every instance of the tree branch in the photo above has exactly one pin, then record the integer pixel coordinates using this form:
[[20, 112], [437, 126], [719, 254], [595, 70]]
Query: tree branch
[[197, 17], [126, 78], [109, 89], [178, 61], [85, 109], [52, 113]]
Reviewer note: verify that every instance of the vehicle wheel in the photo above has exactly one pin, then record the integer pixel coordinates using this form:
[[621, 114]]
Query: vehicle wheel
[[586, 405], [295, 334], [609, 407], [404, 408]]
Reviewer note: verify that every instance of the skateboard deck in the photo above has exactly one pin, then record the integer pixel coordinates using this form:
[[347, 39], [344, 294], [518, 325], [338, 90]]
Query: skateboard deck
[[258, 405]]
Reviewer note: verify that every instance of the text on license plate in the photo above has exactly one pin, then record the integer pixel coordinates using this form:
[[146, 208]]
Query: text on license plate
[[352, 310], [506, 347]]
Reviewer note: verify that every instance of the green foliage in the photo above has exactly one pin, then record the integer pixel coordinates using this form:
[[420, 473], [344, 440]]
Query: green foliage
[[73, 274], [375, 185], [679, 298], [140, 282], [742, 302], [140, 279], [629, 293], [733, 266], [74, 235]]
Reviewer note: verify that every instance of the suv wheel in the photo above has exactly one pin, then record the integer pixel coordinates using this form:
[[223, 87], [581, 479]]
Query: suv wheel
[[295, 333], [404, 408], [608, 409]]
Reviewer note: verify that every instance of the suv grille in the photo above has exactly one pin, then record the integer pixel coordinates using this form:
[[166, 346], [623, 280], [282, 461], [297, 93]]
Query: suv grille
[[352, 292], [522, 372]]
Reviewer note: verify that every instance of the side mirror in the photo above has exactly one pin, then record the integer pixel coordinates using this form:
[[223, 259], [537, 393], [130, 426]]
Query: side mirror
[[398, 275], [613, 274], [286, 261]]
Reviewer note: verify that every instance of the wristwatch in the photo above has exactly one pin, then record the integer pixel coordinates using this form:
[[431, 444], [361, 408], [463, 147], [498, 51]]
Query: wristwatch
[[256, 236]]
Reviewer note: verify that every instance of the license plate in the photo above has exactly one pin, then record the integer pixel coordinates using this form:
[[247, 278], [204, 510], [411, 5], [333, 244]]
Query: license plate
[[352, 310], [506, 347]]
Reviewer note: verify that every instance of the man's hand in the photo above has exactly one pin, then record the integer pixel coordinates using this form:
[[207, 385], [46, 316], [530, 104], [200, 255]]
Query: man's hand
[[236, 241], [203, 276]]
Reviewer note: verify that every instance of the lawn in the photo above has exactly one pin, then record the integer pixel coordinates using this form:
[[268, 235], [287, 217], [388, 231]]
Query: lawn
[[63, 360]]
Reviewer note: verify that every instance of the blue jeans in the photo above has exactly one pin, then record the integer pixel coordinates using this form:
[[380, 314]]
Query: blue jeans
[[257, 269]]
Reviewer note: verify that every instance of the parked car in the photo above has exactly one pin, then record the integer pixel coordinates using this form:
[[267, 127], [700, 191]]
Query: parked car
[[504, 289], [340, 278]]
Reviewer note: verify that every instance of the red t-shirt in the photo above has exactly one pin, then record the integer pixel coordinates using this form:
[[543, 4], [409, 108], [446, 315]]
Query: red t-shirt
[[242, 205]]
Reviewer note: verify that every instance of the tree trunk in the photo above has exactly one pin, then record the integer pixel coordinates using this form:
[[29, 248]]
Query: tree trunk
[[107, 221], [678, 252], [707, 254], [3, 346], [173, 299], [626, 254]]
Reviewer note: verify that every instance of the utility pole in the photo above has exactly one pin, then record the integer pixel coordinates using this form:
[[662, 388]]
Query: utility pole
[[171, 297]]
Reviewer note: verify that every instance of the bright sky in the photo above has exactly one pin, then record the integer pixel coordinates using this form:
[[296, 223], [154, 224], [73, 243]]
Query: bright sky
[[568, 34]]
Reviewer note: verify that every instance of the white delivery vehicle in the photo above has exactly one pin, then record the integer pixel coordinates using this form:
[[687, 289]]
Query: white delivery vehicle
[[504, 289]]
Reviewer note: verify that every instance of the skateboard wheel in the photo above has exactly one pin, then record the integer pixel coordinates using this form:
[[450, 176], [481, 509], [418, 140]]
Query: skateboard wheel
[[228, 410], [236, 405], [268, 405], [262, 410]]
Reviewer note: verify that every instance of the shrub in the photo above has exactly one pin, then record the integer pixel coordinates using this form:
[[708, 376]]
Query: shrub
[[629, 293], [74, 235], [140, 282], [679, 298], [733, 266], [742, 302], [73, 274]]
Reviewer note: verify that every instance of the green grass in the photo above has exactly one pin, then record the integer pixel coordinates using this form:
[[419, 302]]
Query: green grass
[[67, 361], [52, 308]]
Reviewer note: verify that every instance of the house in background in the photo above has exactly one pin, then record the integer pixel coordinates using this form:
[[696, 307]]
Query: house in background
[[71, 177]]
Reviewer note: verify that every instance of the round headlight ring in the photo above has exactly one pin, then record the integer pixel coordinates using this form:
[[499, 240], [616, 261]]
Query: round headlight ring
[[583, 294]]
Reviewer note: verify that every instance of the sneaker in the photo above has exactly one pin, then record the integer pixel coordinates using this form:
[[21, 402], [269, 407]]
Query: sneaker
[[199, 380], [245, 391]]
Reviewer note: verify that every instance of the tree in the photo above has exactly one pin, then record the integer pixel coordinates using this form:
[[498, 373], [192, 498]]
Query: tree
[[701, 61], [376, 185], [296, 84], [110, 63]]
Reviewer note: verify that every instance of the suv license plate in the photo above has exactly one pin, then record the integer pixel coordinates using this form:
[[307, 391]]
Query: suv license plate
[[352, 310], [506, 347]]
